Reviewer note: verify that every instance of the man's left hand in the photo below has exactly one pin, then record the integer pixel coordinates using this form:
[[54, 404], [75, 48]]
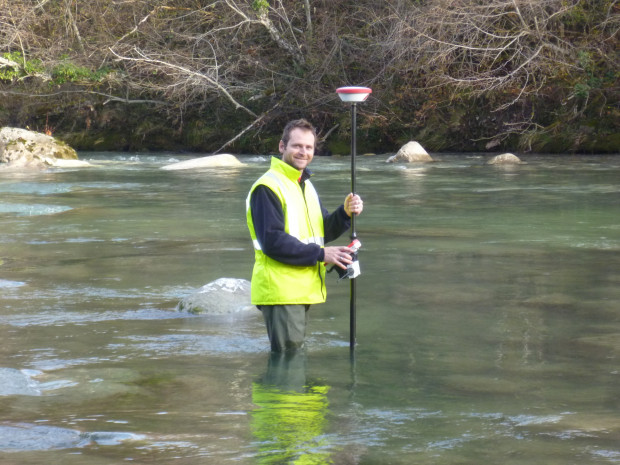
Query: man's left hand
[[353, 204]]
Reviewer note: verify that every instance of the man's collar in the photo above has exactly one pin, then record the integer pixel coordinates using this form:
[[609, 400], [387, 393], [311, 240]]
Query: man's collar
[[290, 171], [305, 175]]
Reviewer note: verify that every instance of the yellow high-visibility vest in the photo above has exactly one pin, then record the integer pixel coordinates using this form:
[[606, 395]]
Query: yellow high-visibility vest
[[274, 282]]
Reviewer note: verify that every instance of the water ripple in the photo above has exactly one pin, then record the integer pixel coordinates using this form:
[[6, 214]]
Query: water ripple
[[63, 318], [27, 209]]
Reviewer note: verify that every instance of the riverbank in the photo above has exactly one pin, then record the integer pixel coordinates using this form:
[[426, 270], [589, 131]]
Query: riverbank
[[459, 128]]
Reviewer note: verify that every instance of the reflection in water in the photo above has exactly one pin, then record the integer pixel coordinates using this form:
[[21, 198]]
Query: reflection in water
[[289, 423]]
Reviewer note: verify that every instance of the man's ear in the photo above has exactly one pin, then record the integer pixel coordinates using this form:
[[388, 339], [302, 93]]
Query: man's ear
[[281, 147]]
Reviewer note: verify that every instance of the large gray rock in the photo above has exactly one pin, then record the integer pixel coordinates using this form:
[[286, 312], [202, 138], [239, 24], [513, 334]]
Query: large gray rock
[[20, 148], [219, 297], [505, 159], [211, 161], [411, 152]]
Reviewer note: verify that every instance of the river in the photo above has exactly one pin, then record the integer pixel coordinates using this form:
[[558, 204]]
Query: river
[[488, 318]]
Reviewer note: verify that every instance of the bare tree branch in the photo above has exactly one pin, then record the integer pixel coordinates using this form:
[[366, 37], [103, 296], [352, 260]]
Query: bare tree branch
[[188, 73], [247, 128]]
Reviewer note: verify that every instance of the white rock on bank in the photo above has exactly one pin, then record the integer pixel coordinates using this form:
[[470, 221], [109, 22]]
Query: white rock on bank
[[411, 152], [211, 161], [24, 149], [30, 149]]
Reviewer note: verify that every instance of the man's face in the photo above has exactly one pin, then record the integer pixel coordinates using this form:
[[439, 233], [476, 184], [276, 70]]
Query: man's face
[[300, 149]]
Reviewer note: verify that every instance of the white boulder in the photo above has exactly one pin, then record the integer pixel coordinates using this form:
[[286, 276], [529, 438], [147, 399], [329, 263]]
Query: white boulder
[[504, 159], [411, 152], [63, 163], [211, 161], [219, 297]]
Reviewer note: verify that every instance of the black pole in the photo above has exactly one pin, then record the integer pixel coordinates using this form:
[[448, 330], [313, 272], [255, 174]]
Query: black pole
[[353, 233]]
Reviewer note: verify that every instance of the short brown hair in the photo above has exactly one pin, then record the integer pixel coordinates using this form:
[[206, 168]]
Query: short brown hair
[[297, 124]]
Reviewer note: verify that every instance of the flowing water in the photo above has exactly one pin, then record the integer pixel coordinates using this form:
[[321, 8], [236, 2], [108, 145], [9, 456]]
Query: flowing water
[[488, 318]]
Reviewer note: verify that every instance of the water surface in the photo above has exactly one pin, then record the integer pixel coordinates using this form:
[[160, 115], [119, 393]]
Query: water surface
[[488, 320]]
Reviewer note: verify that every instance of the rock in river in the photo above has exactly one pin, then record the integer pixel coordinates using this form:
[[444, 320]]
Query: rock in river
[[504, 159], [411, 152], [23, 149], [16, 382], [211, 161], [30, 437], [220, 297]]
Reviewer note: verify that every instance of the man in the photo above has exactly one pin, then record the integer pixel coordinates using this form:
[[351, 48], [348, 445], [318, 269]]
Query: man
[[289, 228]]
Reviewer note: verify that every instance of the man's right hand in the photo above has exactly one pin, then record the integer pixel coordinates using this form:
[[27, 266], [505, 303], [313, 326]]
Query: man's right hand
[[339, 256]]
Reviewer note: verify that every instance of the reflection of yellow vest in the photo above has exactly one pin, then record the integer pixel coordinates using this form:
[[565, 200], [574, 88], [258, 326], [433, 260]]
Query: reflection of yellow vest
[[274, 282], [290, 426]]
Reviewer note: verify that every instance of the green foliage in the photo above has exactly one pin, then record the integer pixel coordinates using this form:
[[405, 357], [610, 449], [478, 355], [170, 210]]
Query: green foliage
[[260, 5], [64, 72], [585, 60], [585, 14], [70, 72], [9, 74], [593, 77], [26, 67], [582, 90]]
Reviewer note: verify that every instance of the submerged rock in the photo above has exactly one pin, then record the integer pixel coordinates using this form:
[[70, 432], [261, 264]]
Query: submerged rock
[[22, 437], [15, 382], [211, 161], [26, 437], [504, 159], [9, 284], [220, 297], [23, 149], [411, 152]]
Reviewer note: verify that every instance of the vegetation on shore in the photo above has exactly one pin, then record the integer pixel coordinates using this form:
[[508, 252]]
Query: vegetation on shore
[[225, 75]]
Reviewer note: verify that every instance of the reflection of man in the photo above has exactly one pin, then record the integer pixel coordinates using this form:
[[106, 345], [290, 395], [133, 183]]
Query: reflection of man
[[289, 227], [290, 420]]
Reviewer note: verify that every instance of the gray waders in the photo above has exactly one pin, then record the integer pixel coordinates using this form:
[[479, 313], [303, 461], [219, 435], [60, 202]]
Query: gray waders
[[286, 325]]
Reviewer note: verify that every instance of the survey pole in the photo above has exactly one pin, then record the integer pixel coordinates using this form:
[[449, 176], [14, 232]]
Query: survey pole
[[353, 95]]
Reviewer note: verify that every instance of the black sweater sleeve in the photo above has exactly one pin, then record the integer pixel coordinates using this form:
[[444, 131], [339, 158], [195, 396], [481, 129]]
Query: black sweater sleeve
[[335, 224], [268, 219]]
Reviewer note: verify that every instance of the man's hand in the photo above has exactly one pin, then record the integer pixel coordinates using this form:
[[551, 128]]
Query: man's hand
[[353, 204], [339, 256]]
